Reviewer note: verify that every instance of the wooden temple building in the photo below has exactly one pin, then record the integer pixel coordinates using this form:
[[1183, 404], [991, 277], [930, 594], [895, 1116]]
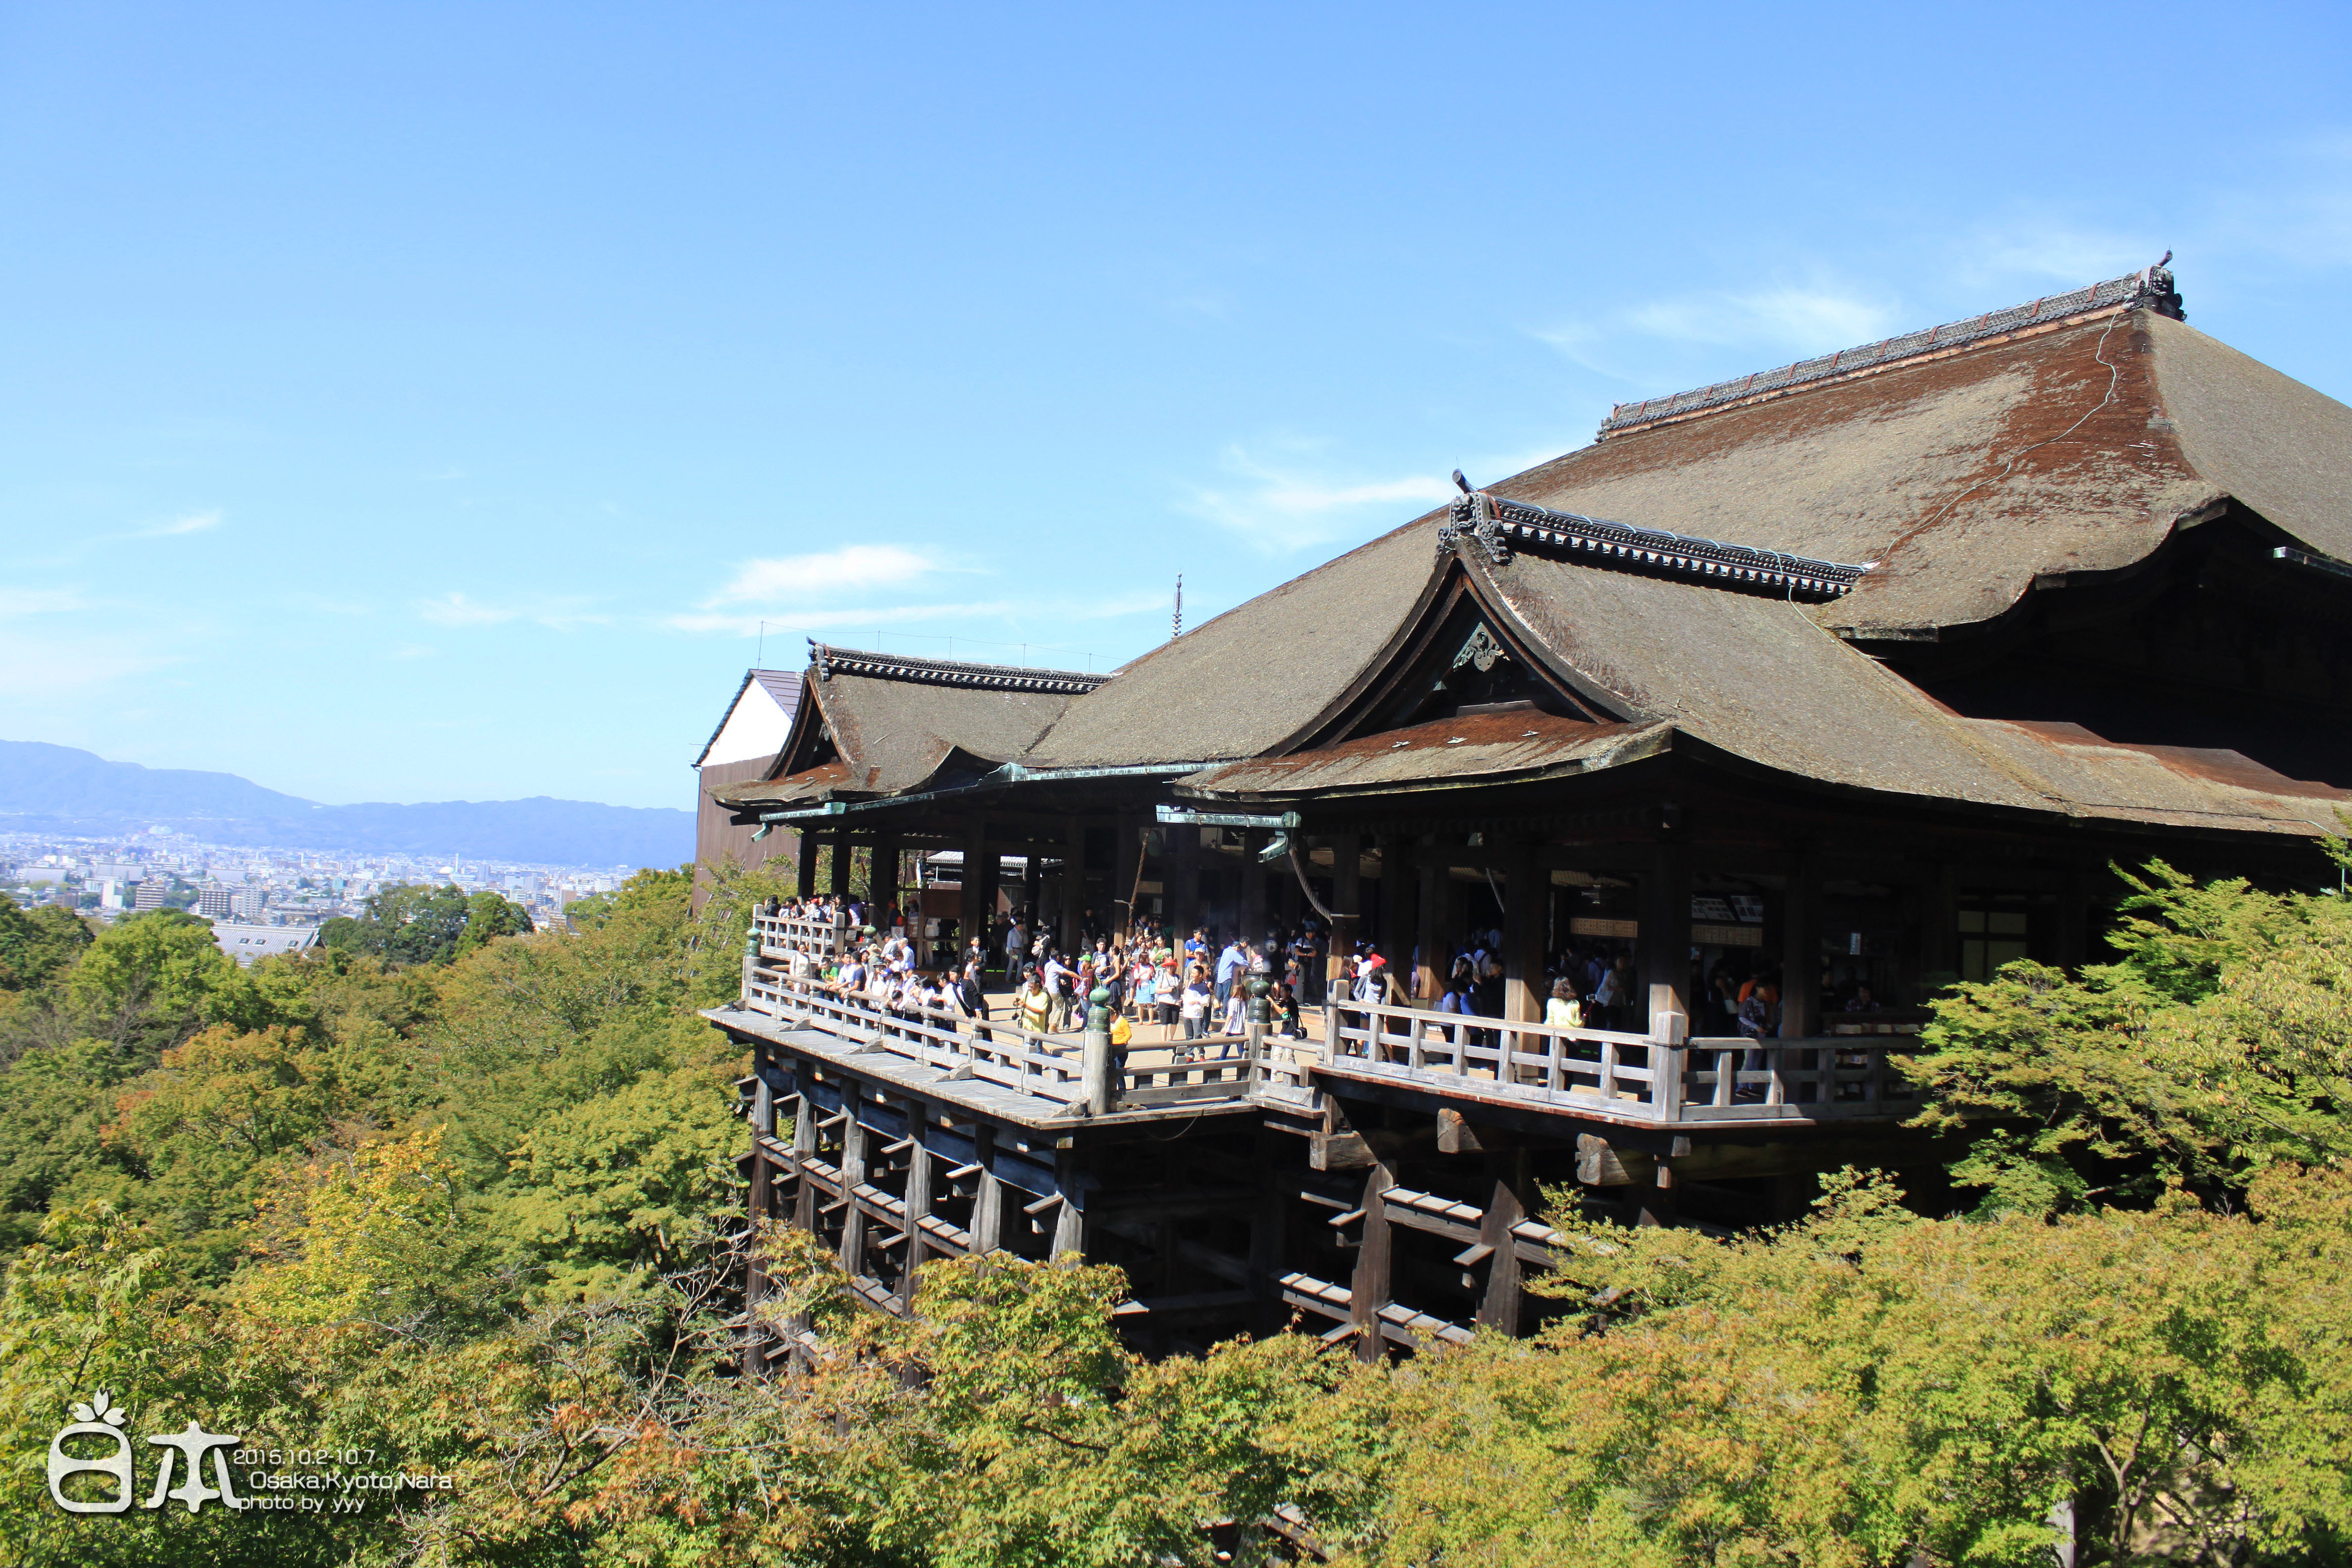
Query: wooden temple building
[[1871, 666]]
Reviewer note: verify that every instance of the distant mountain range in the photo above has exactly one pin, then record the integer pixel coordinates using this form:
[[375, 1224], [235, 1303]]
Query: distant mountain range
[[57, 789]]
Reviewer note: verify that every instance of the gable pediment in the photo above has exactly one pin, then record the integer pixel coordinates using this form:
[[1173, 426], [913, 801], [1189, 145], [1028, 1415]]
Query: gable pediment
[[1460, 656]]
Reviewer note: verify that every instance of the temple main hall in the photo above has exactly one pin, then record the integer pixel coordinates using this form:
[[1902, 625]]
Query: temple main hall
[[1865, 671]]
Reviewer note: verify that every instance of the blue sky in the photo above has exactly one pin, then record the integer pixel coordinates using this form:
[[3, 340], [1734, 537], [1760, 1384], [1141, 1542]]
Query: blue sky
[[429, 402]]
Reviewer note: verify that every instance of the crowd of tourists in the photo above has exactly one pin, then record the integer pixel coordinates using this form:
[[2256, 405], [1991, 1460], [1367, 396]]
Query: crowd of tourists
[[1196, 991]]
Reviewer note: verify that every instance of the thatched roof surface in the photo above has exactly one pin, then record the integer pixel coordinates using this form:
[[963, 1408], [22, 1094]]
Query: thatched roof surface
[[2076, 447]]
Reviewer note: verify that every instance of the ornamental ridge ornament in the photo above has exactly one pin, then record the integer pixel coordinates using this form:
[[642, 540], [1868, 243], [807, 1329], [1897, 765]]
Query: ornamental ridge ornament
[[1473, 522], [831, 661], [1498, 526], [2151, 289]]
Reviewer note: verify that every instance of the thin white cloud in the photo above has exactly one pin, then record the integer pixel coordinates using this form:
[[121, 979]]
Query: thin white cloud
[[40, 668], [1654, 342], [801, 579], [194, 522], [455, 609], [39, 601], [1279, 507], [1801, 320], [735, 624]]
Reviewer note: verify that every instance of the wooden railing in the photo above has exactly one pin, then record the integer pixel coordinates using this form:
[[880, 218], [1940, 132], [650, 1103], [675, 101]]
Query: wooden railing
[[1656, 1078], [781, 935], [1030, 1062]]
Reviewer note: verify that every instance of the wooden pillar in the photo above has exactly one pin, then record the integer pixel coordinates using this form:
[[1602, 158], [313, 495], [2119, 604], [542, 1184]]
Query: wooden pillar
[[1664, 941], [1396, 908], [804, 866], [836, 878], [853, 1172], [992, 870], [919, 1198], [1032, 877], [1073, 881], [1654, 1202], [883, 873], [1939, 946], [1184, 882], [1249, 920], [2074, 920], [1367, 1292], [970, 919], [988, 1202], [755, 1278], [1527, 911], [1069, 1214], [803, 1145], [1433, 876], [1499, 1304], [1126, 869], [1347, 899], [1801, 946], [1268, 1227]]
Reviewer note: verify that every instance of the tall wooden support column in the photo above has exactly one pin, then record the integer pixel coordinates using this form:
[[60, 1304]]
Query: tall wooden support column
[[1939, 946], [919, 1199], [1033, 873], [1396, 908], [837, 877], [805, 1145], [1126, 870], [1249, 918], [988, 1202], [804, 866], [1499, 1305], [2074, 920], [1665, 927], [1269, 1225], [853, 1174], [992, 880], [1184, 882], [883, 874], [971, 917], [1527, 911], [1434, 875], [1347, 899], [1074, 882], [1368, 1290], [1655, 1202], [755, 1276], [1071, 1231], [1801, 946]]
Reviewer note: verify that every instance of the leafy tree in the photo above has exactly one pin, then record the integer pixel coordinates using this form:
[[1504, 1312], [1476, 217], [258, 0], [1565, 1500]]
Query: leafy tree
[[409, 922], [2219, 1044], [37, 943]]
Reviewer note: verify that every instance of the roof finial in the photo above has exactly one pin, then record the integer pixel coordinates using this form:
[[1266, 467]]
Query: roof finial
[[1176, 621]]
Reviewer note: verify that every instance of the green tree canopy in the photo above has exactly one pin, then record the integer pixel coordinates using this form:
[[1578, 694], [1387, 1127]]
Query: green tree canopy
[[410, 923]]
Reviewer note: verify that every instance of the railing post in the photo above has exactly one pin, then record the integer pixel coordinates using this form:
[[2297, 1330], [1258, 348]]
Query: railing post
[[1668, 1057], [1096, 1066], [1330, 1032]]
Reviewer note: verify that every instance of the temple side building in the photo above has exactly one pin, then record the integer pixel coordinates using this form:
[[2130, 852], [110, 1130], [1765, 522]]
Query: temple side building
[[1868, 668], [743, 747]]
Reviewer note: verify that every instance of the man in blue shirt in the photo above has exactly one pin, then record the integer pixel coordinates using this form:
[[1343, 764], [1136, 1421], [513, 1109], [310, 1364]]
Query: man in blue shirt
[[1230, 962]]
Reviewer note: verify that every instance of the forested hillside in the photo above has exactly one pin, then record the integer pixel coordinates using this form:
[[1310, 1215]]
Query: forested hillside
[[466, 1216]]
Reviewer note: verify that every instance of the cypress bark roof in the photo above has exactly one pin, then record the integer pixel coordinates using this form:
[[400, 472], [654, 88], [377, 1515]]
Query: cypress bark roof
[[2052, 446]]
